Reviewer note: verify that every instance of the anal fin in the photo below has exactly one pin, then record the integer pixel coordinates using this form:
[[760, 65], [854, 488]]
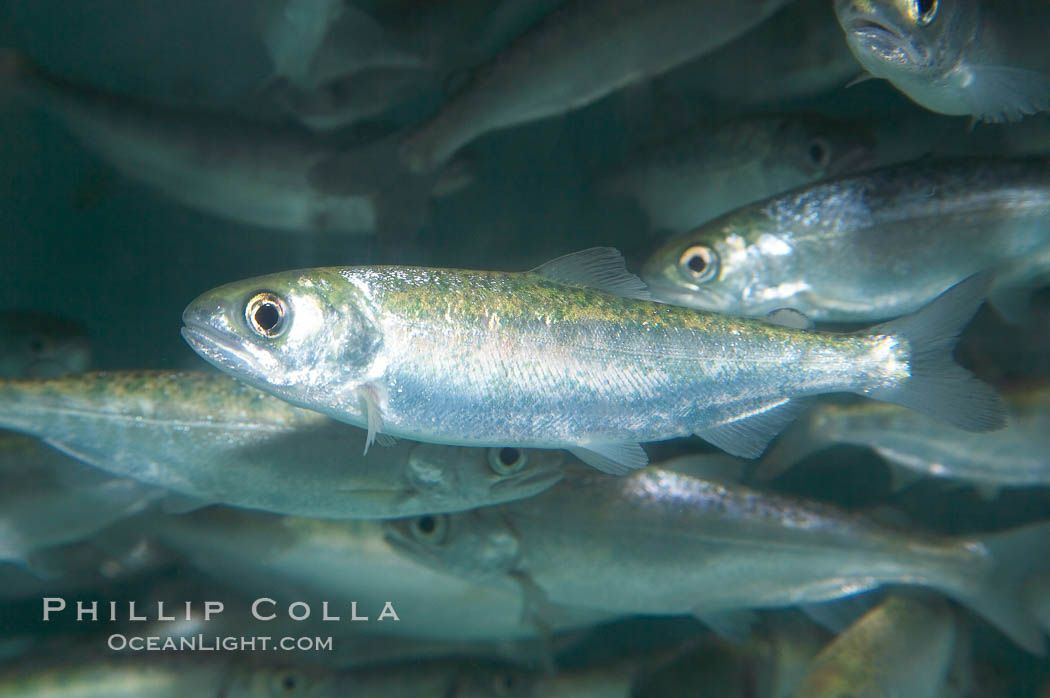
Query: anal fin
[[612, 458], [748, 435]]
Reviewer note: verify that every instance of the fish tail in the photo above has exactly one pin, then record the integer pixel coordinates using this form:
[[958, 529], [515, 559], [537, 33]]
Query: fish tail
[[936, 384], [1018, 557]]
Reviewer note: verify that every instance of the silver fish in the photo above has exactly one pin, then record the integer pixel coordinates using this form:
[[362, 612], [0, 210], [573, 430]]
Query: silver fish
[[984, 58], [289, 559], [583, 51], [214, 439], [869, 246], [552, 359], [37, 344], [251, 173], [1016, 456], [661, 542], [715, 167], [902, 647]]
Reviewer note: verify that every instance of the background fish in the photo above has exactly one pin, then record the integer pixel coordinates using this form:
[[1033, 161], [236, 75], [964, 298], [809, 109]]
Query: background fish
[[869, 246], [36, 344]]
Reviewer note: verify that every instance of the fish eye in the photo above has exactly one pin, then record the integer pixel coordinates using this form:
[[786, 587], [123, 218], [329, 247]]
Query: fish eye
[[430, 529], [924, 11], [265, 314], [36, 346], [699, 262], [507, 460], [287, 683], [819, 152]]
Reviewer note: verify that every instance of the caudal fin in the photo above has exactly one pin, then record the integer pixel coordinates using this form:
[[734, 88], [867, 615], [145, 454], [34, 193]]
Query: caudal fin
[[937, 385], [1019, 558]]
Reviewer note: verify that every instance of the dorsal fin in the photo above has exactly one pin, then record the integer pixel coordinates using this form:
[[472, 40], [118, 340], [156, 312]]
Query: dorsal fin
[[602, 268]]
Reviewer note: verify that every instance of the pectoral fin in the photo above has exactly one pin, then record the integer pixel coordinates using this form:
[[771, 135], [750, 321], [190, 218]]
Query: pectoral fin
[[1005, 93]]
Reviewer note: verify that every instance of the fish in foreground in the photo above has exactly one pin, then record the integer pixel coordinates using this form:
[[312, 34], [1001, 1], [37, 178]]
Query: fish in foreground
[[669, 543], [273, 177], [569, 355], [1016, 456], [215, 439], [902, 647], [715, 167], [290, 558], [37, 344], [869, 246], [581, 52], [985, 58]]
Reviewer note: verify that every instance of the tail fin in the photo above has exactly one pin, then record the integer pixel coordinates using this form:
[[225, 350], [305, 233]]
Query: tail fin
[[1018, 557], [938, 386]]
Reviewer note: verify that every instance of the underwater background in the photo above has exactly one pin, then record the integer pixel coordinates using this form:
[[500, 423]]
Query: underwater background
[[84, 240]]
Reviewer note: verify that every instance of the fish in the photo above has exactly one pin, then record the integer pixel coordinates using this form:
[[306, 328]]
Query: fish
[[581, 52], [257, 174], [39, 344], [311, 42], [870, 246], [902, 647], [1016, 456], [569, 355], [715, 167], [796, 54], [227, 676], [51, 500], [659, 542], [217, 440], [979, 58], [290, 559]]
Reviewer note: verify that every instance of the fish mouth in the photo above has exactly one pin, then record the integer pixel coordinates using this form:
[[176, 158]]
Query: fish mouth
[[218, 348], [873, 30], [535, 482]]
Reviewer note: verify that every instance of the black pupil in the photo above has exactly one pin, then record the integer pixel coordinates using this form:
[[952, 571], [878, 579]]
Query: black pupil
[[288, 683], [427, 524], [925, 6], [816, 152], [36, 346], [697, 263], [508, 456], [267, 316]]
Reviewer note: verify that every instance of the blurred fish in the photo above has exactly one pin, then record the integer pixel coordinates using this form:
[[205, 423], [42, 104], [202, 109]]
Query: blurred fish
[[869, 246], [49, 499], [985, 58], [797, 53], [551, 358], [251, 173], [313, 41], [217, 440], [36, 344], [1016, 456], [156, 675], [581, 52], [349, 99], [290, 559], [660, 542], [716, 167], [901, 648]]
